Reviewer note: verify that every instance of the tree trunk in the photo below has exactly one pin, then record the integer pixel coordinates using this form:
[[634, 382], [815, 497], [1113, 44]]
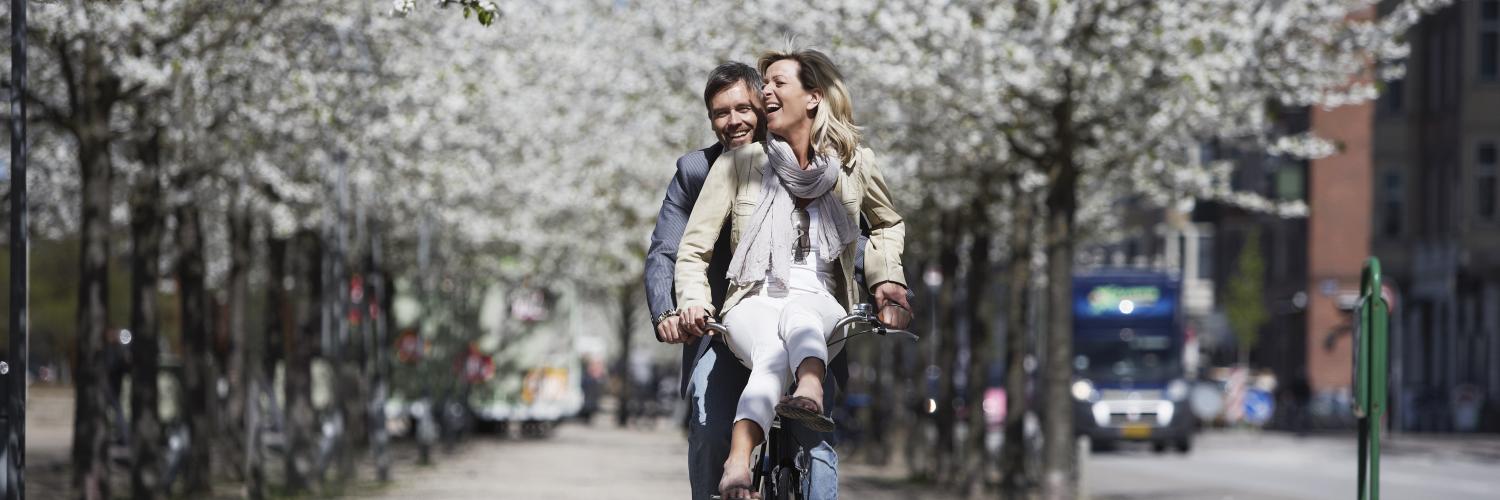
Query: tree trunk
[[626, 301], [90, 420], [301, 342], [92, 111], [1058, 466], [945, 415], [977, 458], [335, 295], [1013, 454], [232, 419], [279, 322], [145, 350], [246, 352], [379, 299], [199, 369], [354, 370]]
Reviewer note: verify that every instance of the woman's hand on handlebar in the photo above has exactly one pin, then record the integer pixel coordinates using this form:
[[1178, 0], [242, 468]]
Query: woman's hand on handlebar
[[694, 319]]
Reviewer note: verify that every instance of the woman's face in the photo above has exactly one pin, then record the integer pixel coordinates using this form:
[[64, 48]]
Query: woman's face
[[789, 107]]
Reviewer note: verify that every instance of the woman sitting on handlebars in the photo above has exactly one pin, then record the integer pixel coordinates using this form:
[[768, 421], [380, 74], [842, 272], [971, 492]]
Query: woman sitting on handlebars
[[793, 203]]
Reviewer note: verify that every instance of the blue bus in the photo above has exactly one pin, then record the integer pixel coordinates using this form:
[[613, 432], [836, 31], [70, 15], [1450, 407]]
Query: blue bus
[[1128, 377]]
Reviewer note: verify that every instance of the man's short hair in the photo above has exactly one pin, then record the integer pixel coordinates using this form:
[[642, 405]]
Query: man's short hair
[[728, 74]]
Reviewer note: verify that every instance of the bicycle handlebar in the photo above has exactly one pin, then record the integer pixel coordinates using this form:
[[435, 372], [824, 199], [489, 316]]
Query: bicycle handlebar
[[716, 327], [863, 313]]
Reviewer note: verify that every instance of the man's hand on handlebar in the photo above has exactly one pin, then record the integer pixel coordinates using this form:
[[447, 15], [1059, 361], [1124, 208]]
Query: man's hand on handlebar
[[692, 322], [669, 332], [893, 295]]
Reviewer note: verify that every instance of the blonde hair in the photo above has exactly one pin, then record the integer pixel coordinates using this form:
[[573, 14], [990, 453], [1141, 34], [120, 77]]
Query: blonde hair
[[833, 128]]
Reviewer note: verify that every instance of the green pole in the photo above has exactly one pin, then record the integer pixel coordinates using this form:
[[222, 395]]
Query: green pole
[[1370, 376]]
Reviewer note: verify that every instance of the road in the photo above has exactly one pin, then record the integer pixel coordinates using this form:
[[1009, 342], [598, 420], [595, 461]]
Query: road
[[603, 462], [1274, 466], [581, 462]]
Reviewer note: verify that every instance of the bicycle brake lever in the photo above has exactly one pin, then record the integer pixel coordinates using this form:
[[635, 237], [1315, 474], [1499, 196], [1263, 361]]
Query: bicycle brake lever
[[906, 334]]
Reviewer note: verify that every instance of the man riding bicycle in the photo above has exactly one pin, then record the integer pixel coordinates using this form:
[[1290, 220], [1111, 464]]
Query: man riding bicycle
[[711, 377], [795, 240]]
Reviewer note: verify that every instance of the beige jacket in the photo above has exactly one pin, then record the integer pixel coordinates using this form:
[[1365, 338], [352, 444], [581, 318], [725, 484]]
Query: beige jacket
[[733, 188]]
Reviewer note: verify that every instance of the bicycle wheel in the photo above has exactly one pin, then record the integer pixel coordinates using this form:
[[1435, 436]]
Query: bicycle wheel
[[788, 485]]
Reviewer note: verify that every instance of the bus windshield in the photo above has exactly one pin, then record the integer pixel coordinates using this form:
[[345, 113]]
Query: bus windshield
[[1135, 354]]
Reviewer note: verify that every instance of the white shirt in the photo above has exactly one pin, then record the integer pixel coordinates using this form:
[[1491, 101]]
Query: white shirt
[[812, 275]]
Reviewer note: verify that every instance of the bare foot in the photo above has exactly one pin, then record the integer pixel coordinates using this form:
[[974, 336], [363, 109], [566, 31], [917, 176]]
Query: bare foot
[[813, 394], [735, 484]]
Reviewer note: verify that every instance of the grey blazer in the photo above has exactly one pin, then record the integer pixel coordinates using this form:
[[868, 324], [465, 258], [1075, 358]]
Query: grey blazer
[[661, 257]]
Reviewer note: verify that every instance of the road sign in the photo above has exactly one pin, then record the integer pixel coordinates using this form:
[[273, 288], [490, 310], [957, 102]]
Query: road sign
[[1258, 407]]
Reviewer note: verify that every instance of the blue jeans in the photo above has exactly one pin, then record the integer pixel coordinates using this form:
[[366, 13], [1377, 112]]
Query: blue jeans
[[713, 392]]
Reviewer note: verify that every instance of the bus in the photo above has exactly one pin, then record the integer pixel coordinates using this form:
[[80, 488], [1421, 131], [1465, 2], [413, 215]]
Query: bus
[[1128, 344]]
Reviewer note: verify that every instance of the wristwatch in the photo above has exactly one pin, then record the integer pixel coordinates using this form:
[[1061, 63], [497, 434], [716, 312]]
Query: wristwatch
[[662, 317]]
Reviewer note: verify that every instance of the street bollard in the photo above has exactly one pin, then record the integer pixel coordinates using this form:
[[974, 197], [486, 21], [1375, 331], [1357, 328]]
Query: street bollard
[[1370, 343], [1084, 449]]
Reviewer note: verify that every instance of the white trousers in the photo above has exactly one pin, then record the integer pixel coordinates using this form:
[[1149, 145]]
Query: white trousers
[[772, 335]]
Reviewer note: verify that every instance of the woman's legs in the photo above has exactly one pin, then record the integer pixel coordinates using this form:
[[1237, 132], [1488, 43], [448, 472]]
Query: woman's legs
[[753, 336], [769, 332], [747, 435], [753, 325], [806, 325]]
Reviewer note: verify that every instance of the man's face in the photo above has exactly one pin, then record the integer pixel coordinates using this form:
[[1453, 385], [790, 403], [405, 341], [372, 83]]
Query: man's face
[[734, 113]]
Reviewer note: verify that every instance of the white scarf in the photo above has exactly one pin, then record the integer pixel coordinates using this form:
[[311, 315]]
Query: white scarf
[[765, 246]]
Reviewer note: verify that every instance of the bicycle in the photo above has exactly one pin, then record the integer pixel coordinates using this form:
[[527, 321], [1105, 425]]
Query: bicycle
[[778, 475]]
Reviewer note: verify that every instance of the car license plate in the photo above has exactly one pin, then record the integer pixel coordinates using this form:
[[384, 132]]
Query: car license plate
[[1135, 431]]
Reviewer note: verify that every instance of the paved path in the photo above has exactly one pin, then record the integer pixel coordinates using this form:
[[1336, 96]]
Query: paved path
[[578, 462], [581, 462], [604, 462]]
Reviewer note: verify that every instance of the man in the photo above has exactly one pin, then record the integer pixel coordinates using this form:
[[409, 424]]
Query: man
[[711, 376]]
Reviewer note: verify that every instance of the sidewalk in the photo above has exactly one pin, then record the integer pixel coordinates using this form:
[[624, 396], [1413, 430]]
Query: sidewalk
[[1473, 446], [49, 436], [578, 462], [1482, 447]]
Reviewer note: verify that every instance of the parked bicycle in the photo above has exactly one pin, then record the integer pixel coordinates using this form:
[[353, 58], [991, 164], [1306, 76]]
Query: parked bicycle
[[777, 474]]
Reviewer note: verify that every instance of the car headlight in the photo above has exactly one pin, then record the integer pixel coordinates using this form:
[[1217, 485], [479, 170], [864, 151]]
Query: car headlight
[[1177, 390], [1083, 390]]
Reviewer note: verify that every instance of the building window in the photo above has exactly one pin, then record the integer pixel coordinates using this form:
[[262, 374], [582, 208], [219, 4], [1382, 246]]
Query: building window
[[1392, 100], [1390, 224], [1289, 184], [1182, 246], [1453, 62], [1489, 40], [1205, 256], [1485, 181], [1434, 69]]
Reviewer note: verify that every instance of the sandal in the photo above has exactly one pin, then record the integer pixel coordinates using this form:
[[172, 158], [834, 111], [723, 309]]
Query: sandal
[[814, 420]]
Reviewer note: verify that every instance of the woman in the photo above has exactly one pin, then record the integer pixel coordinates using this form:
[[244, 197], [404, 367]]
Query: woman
[[793, 203]]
